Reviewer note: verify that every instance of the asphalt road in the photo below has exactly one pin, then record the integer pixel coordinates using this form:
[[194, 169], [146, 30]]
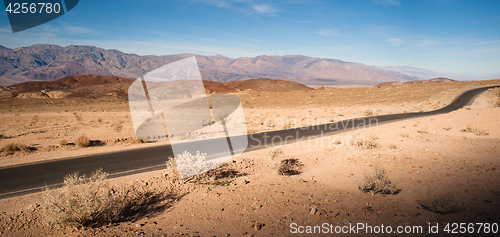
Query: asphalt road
[[33, 177]]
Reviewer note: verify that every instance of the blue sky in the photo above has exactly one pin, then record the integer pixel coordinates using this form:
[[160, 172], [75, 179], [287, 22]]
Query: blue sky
[[441, 35]]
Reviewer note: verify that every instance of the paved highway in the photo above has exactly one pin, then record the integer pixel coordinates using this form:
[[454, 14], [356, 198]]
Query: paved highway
[[26, 178]]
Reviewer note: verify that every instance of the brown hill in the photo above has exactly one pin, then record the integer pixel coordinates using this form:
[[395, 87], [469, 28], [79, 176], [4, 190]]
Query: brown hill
[[434, 80], [266, 85], [91, 86], [88, 86]]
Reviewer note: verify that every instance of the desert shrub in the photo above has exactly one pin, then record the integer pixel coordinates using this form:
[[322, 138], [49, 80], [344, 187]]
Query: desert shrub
[[441, 203], [84, 201], [283, 166], [393, 146], [13, 147], [404, 135], [423, 130], [99, 120], [190, 165], [63, 142], [377, 183], [337, 141], [357, 140], [83, 141], [91, 202], [339, 114], [275, 157], [138, 140], [476, 130], [289, 167], [368, 112]]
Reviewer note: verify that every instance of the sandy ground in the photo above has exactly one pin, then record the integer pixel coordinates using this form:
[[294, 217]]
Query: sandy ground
[[421, 157], [44, 124]]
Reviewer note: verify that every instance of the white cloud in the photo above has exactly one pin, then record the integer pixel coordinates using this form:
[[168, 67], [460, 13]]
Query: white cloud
[[395, 41], [387, 2], [217, 3], [489, 42], [427, 43], [329, 33], [264, 9], [78, 30]]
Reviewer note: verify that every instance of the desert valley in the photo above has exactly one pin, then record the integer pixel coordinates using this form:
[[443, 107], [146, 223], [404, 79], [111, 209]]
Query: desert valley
[[416, 172]]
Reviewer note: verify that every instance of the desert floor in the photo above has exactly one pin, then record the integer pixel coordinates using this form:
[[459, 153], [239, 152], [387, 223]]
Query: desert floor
[[425, 159]]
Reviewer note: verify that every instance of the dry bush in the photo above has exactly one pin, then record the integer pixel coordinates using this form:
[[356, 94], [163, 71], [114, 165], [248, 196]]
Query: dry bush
[[377, 183], [189, 165], [476, 130], [357, 140], [211, 176], [283, 166], [83, 141], [63, 142], [13, 147], [423, 130], [171, 170], [441, 203], [275, 157], [404, 135], [368, 112], [138, 140], [393, 146], [91, 202]]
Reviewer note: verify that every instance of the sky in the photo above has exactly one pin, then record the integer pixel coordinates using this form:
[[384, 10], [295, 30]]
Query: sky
[[440, 35]]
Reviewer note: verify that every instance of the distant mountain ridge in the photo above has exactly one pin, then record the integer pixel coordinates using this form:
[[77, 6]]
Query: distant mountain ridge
[[51, 62], [434, 80]]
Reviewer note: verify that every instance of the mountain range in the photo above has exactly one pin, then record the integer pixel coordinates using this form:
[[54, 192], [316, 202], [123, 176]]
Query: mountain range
[[50, 62]]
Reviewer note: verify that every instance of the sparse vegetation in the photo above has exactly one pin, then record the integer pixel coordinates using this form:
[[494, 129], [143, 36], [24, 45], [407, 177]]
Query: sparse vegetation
[[368, 112], [190, 165], [138, 140], [404, 134], [476, 130], [423, 130], [63, 142], [392, 146], [441, 203], [14, 147], [357, 140], [377, 183], [281, 165], [83, 141], [92, 202]]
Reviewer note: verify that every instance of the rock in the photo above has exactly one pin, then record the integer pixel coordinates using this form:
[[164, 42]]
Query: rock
[[243, 182], [313, 211], [257, 226]]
